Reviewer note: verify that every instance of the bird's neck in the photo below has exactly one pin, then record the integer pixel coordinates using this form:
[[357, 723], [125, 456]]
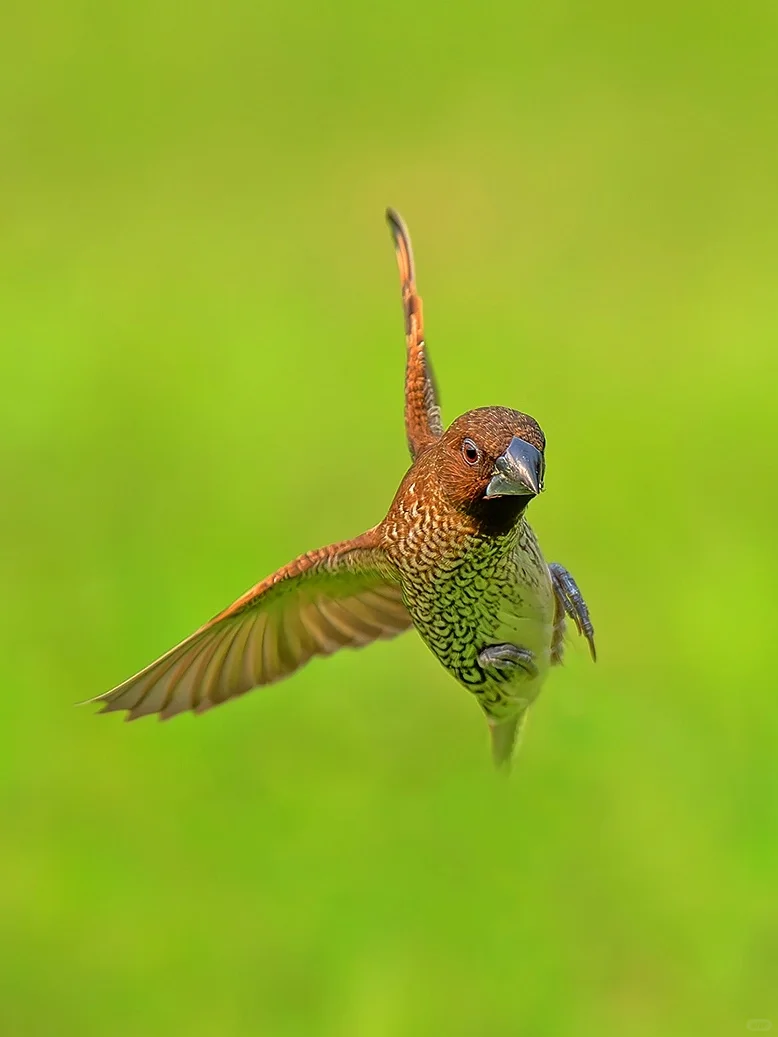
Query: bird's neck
[[422, 524]]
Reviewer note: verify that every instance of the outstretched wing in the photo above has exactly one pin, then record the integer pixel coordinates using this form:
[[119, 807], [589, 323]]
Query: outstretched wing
[[340, 596], [422, 412]]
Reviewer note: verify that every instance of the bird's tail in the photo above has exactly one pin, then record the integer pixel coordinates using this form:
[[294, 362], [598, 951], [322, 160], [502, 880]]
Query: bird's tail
[[505, 736]]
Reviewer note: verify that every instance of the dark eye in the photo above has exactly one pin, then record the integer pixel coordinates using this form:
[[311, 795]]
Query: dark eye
[[470, 451]]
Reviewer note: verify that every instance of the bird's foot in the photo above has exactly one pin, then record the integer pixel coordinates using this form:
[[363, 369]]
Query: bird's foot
[[572, 602], [504, 660]]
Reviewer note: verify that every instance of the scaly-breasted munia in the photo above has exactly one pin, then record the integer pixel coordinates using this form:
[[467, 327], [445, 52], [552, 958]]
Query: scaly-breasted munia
[[454, 557]]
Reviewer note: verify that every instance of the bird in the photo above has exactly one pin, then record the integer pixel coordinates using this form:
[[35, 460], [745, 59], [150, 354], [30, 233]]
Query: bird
[[454, 558]]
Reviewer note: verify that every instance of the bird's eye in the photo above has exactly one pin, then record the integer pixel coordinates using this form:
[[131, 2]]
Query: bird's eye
[[470, 451]]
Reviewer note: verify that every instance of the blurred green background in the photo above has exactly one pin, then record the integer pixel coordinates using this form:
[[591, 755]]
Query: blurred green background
[[202, 363]]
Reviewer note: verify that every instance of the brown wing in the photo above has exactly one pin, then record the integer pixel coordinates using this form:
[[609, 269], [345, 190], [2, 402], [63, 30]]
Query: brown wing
[[339, 596], [422, 412]]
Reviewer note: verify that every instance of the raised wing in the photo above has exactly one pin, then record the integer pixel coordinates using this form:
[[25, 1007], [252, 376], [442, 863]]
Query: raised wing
[[340, 596], [422, 412]]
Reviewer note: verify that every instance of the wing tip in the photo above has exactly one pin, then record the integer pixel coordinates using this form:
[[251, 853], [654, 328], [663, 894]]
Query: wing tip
[[395, 221], [109, 703], [402, 243]]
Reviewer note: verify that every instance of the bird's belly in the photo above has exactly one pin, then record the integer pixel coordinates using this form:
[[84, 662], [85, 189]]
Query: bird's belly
[[490, 600], [528, 623], [529, 626]]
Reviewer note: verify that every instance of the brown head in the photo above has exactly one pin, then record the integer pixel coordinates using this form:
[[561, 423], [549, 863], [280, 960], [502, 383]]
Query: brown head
[[489, 464]]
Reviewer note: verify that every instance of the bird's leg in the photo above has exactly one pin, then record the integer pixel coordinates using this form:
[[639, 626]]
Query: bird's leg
[[572, 602], [504, 660]]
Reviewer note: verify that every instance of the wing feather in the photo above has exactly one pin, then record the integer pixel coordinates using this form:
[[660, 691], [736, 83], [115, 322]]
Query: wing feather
[[422, 412], [345, 595]]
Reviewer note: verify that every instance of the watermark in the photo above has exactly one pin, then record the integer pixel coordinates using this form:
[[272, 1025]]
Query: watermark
[[759, 1025]]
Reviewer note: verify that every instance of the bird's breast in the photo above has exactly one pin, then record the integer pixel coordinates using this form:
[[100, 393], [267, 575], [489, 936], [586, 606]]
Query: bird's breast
[[467, 592]]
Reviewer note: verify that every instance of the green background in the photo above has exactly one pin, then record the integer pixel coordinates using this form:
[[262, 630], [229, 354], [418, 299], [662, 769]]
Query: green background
[[202, 361]]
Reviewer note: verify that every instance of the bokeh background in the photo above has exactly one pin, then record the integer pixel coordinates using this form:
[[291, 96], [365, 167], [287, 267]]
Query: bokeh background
[[202, 363]]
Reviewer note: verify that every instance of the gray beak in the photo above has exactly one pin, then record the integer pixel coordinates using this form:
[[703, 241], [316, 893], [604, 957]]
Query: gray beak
[[519, 472]]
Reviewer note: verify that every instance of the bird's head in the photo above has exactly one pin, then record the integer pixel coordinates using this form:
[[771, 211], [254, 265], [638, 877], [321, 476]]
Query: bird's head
[[490, 464]]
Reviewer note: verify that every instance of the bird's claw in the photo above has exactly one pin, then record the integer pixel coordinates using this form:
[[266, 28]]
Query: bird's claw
[[505, 659], [572, 602]]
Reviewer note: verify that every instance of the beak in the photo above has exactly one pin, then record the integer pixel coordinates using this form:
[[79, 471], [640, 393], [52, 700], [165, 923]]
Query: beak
[[519, 472]]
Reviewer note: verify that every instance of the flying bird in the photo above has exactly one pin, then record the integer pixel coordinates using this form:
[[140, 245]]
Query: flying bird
[[455, 558]]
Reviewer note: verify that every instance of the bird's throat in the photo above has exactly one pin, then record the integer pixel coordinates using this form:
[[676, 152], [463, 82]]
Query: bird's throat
[[496, 516]]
